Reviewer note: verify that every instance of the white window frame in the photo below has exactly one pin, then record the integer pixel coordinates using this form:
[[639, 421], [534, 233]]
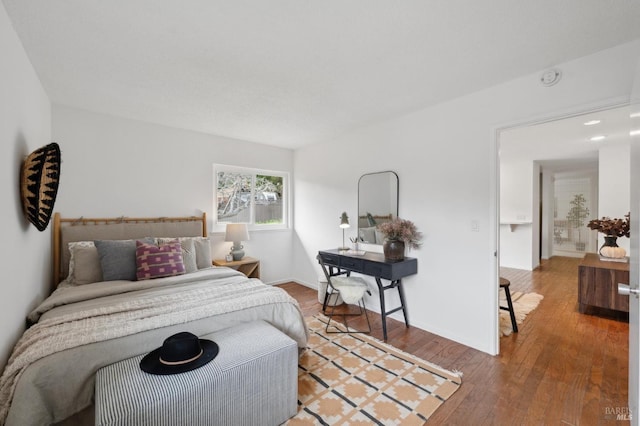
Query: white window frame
[[220, 225]]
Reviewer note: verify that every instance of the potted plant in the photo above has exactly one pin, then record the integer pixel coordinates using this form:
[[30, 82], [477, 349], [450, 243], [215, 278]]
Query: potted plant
[[576, 217], [612, 229], [398, 233]]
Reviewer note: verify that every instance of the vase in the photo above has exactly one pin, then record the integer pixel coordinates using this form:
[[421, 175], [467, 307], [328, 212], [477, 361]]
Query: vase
[[393, 250], [610, 248]]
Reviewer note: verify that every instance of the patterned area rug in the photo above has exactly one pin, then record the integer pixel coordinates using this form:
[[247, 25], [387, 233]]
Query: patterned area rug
[[523, 304], [355, 379]]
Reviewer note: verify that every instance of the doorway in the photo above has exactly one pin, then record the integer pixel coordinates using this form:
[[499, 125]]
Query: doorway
[[532, 158], [554, 178]]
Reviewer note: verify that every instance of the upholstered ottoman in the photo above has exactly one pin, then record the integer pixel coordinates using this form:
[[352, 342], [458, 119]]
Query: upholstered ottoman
[[252, 381]]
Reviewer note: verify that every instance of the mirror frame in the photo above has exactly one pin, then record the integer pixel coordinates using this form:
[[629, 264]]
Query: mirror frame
[[394, 213]]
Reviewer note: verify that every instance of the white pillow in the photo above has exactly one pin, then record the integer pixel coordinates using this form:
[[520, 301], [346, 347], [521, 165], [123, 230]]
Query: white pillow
[[202, 249], [188, 252], [203, 252]]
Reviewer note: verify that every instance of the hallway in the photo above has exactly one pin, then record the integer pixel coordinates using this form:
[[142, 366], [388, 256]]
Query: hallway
[[582, 357]]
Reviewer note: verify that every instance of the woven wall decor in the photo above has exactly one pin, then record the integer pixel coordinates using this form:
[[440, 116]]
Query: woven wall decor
[[39, 179]]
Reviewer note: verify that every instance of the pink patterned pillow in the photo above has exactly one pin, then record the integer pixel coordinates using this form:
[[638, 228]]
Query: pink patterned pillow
[[154, 261]]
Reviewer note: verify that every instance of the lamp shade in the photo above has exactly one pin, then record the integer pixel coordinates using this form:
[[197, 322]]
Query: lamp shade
[[237, 232], [344, 220]]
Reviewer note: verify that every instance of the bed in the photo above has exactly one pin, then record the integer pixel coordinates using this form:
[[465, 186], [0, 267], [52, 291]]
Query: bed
[[95, 318]]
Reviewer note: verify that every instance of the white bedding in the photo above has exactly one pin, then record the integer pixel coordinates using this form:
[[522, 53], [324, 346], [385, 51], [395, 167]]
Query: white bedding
[[60, 384]]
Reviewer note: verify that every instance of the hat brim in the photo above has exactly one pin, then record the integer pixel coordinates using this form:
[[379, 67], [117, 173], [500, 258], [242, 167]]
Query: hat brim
[[151, 362]]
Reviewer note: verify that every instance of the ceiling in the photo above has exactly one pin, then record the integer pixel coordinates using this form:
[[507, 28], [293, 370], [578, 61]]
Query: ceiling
[[565, 145], [290, 72]]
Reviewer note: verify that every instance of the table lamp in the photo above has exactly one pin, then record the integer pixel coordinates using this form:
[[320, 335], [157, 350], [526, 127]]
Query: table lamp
[[344, 224], [237, 232]]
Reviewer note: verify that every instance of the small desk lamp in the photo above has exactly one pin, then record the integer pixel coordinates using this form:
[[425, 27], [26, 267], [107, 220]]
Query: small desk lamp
[[344, 224], [237, 232]]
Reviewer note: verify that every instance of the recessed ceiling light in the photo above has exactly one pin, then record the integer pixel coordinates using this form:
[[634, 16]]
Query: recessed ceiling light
[[635, 114], [634, 132], [597, 138], [591, 122]]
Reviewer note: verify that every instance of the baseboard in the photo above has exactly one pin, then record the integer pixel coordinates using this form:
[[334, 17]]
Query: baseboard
[[313, 286], [306, 284]]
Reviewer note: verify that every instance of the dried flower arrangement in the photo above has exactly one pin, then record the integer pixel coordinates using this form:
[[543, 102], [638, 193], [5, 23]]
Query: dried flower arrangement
[[612, 227], [402, 230]]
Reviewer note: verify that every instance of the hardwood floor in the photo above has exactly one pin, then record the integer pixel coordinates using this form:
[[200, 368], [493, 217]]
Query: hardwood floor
[[562, 368]]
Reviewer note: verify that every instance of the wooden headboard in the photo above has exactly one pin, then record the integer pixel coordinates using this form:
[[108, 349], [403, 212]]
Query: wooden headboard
[[120, 228]]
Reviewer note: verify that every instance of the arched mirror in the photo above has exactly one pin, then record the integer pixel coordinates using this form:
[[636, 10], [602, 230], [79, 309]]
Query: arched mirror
[[377, 203]]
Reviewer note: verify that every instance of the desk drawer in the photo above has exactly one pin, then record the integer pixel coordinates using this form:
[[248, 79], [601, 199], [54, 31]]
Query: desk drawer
[[351, 263], [377, 269], [330, 259]]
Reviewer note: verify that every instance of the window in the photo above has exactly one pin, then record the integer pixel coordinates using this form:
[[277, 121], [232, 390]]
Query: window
[[257, 197]]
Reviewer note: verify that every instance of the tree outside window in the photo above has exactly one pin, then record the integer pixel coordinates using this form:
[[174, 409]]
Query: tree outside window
[[250, 196]]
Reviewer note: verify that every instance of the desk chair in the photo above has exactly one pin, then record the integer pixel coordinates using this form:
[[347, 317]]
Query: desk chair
[[504, 283], [350, 289]]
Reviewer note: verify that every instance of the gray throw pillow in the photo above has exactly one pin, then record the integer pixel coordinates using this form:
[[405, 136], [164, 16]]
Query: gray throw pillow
[[118, 258]]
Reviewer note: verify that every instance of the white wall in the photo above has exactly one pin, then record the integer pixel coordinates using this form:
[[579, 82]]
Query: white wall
[[547, 214], [535, 217], [517, 180], [519, 193], [614, 198], [114, 167], [25, 125], [445, 158]]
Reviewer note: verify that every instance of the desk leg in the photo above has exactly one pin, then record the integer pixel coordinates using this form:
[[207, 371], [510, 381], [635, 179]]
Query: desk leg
[[404, 306], [383, 309]]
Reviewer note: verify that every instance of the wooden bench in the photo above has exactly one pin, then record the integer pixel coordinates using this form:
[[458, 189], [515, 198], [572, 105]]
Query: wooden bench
[[253, 380]]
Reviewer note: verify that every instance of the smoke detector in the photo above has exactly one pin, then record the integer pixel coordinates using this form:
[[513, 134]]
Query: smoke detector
[[550, 77]]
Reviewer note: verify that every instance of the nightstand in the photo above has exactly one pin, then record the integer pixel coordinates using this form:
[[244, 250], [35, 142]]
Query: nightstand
[[247, 265]]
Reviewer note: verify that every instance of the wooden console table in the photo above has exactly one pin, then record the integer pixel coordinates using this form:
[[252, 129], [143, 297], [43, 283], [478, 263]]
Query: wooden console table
[[374, 265], [598, 284]]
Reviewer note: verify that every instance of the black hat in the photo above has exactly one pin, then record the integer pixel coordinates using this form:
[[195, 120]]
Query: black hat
[[179, 353]]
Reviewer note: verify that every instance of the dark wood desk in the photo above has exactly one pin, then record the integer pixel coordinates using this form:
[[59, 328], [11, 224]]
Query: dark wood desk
[[374, 265], [598, 284]]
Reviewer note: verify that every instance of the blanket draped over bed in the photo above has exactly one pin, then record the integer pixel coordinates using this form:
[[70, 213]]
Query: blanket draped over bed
[[125, 312]]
